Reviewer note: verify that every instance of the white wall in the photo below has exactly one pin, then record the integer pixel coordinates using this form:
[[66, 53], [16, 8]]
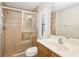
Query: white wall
[[67, 21], [1, 3]]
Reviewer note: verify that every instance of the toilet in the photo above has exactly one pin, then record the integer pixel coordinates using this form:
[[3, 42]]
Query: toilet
[[32, 51]]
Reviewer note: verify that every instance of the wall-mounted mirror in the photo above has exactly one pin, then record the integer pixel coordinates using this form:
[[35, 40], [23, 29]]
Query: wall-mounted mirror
[[66, 22]]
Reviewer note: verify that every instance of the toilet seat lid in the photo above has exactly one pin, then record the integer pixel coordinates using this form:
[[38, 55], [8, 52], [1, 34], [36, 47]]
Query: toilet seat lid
[[32, 49]]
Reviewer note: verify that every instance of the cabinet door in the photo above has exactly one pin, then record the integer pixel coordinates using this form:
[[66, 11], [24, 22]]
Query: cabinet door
[[41, 53], [45, 52]]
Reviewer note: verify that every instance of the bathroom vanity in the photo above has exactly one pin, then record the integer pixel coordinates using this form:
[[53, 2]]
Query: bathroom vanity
[[50, 47], [45, 52]]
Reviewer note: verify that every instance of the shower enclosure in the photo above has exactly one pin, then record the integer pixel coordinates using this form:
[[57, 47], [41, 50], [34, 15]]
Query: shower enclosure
[[19, 31], [29, 30]]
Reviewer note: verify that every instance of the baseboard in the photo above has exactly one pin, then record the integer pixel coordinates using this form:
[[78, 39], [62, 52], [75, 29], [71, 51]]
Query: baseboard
[[18, 54]]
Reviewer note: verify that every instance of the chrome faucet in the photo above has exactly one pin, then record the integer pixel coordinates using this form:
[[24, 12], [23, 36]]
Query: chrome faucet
[[60, 41], [67, 36]]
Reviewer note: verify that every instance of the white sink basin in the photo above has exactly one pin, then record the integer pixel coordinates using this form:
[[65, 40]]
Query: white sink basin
[[63, 47], [58, 47]]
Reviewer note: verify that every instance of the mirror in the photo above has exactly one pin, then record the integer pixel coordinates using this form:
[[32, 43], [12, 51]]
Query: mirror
[[66, 22]]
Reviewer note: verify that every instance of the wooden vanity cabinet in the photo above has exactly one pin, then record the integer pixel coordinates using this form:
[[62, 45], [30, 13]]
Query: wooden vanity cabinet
[[45, 52]]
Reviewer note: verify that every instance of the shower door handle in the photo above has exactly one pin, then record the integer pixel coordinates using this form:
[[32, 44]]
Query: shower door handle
[[4, 27]]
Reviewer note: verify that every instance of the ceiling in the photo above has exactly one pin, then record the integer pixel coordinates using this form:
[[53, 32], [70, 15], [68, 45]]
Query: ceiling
[[23, 5], [62, 5], [32, 5]]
